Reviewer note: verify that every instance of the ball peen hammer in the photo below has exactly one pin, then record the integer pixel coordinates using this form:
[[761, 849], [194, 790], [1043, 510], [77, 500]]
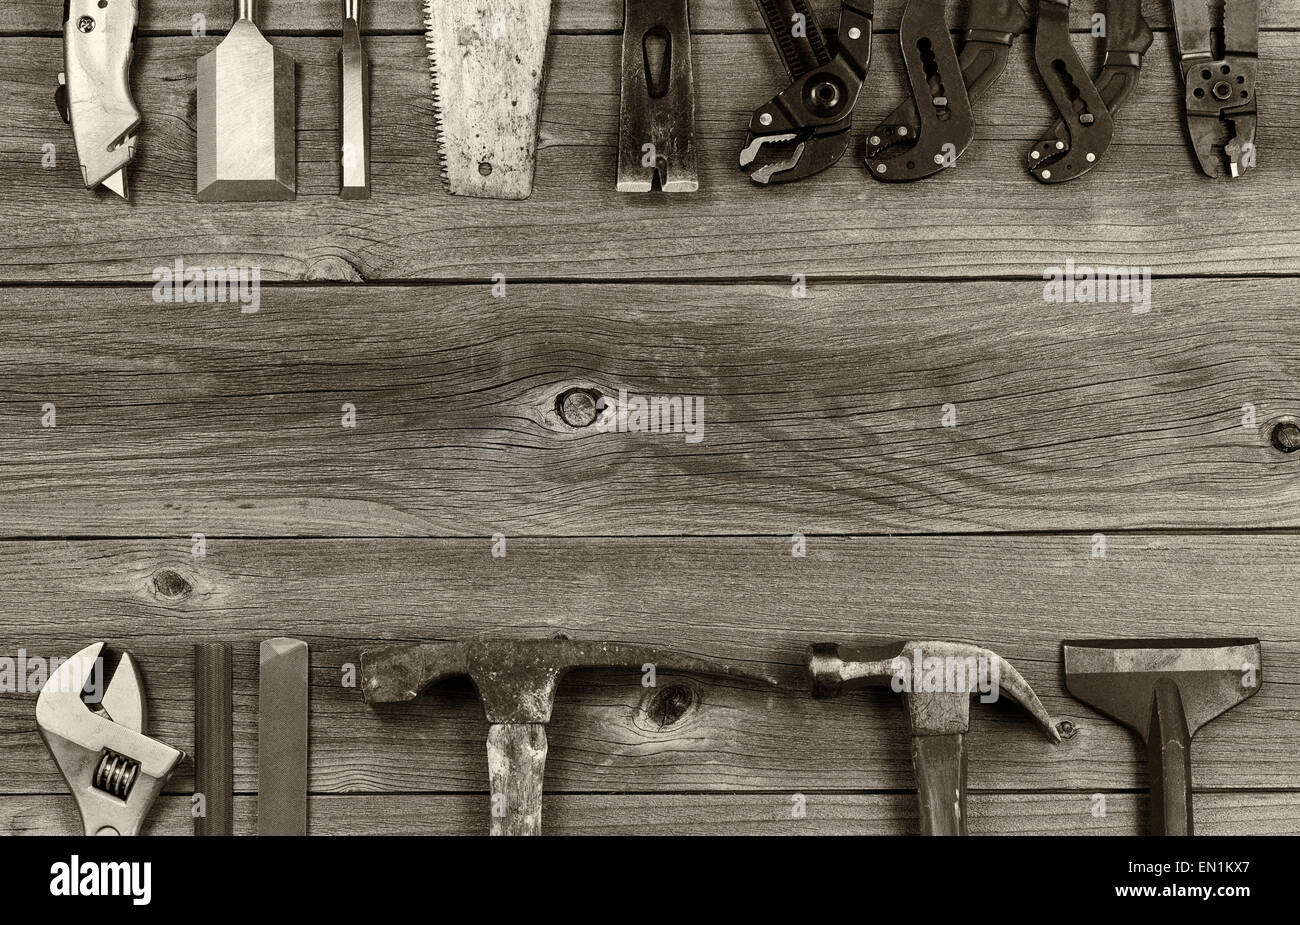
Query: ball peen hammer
[[516, 680], [937, 680]]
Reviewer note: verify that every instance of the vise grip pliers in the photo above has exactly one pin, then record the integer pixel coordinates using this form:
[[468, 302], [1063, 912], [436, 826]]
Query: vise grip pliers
[[1219, 93], [114, 770], [805, 127]]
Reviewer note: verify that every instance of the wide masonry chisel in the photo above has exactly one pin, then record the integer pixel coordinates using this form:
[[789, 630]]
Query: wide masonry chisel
[[487, 60], [1165, 690], [282, 705]]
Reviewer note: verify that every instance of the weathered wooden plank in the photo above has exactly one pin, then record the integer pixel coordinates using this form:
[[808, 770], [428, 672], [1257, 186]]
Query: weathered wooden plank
[[743, 599], [1146, 206], [821, 415], [298, 16], [1261, 813]]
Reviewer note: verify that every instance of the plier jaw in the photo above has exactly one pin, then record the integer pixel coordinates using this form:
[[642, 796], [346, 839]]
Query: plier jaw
[[1221, 94], [792, 151], [805, 128], [1219, 83], [115, 772]]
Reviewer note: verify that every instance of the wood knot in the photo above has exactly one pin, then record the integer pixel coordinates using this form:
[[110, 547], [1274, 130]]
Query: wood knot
[[334, 267], [578, 407], [1286, 436], [170, 585], [669, 704], [1067, 729]]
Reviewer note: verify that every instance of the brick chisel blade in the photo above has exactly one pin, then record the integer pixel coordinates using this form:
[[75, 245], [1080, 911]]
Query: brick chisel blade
[[282, 703]]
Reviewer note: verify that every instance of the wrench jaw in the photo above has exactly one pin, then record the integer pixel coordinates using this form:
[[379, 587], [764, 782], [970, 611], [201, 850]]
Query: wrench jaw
[[114, 771]]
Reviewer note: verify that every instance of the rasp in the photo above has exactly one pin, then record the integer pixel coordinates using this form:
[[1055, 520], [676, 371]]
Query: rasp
[[488, 63], [282, 703]]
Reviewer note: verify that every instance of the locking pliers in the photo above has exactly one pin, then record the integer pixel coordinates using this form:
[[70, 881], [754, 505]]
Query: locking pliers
[[806, 126], [1219, 93], [114, 770]]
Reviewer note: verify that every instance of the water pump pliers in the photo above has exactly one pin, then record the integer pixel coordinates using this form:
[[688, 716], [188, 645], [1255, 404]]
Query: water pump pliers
[[1087, 108], [931, 130], [805, 128]]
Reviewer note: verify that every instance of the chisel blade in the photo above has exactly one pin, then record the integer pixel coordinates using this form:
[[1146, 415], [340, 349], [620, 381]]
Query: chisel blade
[[354, 107], [282, 704]]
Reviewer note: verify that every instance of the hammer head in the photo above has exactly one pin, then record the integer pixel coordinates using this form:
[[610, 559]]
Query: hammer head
[[936, 679], [246, 145], [516, 679], [1119, 676]]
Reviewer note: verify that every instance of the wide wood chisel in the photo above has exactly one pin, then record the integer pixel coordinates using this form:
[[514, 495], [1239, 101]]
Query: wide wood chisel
[[247, 148], [282, 704]]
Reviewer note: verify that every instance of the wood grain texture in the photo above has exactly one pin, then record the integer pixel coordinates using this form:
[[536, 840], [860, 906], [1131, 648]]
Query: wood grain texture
[[744, 600], [1146, 206], [821, 415], [1261, 813], [299, 16]]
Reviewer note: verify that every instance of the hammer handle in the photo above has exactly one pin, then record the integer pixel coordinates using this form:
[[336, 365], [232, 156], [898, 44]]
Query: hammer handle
[[1169, 762], [516, 766], [940, 762]]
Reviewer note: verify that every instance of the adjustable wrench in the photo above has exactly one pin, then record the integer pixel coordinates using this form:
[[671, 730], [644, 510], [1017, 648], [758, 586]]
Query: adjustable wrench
[[114, 770]]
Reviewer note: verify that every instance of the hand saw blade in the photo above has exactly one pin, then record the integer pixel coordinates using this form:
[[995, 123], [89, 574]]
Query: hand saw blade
[[487, 59], [797, 36]]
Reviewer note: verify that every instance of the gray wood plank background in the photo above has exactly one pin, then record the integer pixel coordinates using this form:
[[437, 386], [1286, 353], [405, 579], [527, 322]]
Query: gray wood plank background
[[1076, 424]]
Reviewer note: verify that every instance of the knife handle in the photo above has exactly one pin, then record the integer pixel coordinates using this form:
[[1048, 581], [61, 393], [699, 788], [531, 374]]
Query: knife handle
[[97, 52]]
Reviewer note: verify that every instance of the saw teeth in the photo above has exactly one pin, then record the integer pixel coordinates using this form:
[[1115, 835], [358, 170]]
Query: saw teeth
[[429, 17]]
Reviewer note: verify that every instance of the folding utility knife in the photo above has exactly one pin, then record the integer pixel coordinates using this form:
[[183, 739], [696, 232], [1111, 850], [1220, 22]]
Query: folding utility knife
[[94, 94]]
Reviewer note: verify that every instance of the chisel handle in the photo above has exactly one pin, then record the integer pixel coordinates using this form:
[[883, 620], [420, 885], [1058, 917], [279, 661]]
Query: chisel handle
[[1169, 762], [940, 762]]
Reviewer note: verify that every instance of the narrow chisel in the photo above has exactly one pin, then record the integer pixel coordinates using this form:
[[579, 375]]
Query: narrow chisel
[[354, 107], [214, 760], [282, 738]]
